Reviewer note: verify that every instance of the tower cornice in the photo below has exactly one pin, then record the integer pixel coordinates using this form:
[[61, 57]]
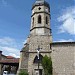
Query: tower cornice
[[40, 12], [40, 27]]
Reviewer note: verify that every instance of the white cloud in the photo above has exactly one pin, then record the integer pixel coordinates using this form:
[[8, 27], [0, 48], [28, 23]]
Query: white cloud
[[9, 46], [64, 40], [6, 41], [68, 21], [10, 51], [14, 55]]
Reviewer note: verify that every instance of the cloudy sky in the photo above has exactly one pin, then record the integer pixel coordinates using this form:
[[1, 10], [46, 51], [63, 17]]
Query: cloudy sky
[[15, 17]]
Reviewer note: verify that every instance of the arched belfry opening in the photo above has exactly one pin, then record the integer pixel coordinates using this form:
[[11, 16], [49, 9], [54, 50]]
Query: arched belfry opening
[[39, 19]]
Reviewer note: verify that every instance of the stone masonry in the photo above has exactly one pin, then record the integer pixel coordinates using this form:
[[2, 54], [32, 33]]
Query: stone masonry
[[63, 58], [62, 53]]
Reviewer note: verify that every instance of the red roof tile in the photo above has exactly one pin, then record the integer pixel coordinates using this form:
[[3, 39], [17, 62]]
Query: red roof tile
[[15, 60], [10, 57]]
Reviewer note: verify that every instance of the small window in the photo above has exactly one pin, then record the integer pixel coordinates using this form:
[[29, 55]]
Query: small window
[[39, 19], [46, 20], [39, 8], [33, 21]]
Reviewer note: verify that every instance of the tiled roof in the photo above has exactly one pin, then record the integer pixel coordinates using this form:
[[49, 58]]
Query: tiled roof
[[15, 60], [10, 57]]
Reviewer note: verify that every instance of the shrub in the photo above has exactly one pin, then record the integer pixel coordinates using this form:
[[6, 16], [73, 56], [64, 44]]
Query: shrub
[[23, 72], [47, 65]]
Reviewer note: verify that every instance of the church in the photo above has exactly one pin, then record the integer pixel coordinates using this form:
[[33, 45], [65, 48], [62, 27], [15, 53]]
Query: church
[[40, 41]]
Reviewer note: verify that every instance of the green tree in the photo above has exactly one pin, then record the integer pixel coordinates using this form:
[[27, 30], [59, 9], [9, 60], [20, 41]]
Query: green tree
[[47, 65], [23, 72]]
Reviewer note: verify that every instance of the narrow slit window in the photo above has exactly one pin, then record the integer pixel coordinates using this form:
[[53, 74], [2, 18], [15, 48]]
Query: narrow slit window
[[33, 21], [46, 20]]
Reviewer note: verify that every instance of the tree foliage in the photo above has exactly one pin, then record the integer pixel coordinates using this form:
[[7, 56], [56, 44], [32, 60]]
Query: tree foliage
[[47, 65], [23, 72]]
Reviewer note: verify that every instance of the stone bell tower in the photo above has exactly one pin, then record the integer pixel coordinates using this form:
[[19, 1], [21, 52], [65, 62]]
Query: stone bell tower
[[40, 19], [40, 36]]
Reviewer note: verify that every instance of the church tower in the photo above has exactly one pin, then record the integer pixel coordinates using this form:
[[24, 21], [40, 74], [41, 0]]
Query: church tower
[[39, 39], [40, 19]]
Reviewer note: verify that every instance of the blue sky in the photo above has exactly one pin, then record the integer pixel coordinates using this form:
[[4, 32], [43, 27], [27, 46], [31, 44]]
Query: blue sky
[[15, 17]]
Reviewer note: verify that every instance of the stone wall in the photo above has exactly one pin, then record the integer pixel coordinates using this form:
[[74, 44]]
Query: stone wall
[[23, 62], [62, 53], [34, 41], [63, 58]]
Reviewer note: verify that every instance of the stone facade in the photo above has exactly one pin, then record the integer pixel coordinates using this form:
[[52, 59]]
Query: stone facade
[[40, 35], [63, 58], [28, 54]]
